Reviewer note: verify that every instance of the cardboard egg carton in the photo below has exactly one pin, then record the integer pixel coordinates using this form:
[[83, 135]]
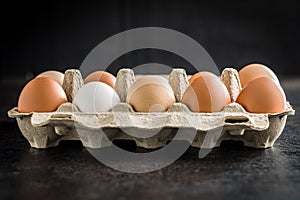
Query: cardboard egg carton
[[151, 130]]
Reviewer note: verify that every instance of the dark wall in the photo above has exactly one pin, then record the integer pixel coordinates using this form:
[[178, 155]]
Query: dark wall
[[41, 35]]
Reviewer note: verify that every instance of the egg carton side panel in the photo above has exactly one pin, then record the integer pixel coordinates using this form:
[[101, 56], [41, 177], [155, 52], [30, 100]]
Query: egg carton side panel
[[38, 137]]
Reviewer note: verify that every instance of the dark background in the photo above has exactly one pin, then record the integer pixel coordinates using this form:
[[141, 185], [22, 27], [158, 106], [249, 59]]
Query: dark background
[[42, 35], [58, 35]]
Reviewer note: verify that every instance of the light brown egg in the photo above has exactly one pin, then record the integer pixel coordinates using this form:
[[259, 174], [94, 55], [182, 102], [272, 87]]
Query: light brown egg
[[262, 95], [41, 94], [101, 76], [55, 75], [195, 76], [150, 94], [206, 93], [253, 71]]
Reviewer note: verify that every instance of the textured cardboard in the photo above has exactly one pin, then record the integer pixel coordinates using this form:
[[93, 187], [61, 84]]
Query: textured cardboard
[[151, 130]]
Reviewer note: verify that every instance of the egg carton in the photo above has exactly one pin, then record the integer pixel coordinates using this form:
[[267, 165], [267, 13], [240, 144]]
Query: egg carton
[[47, 129]]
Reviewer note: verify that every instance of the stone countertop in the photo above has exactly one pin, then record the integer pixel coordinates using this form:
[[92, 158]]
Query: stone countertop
[[231, 171]]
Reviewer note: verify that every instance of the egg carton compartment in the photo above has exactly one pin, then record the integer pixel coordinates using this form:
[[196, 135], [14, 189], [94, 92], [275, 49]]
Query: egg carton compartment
[[151, 130]]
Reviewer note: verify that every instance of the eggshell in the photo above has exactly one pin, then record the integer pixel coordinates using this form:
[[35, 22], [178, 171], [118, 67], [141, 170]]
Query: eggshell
[[150, 94], [206, 93], [195, 76], [41, 94], [55, 75], [253, 71], [101, 76], [43, 130], [262, 95], [96, 97]]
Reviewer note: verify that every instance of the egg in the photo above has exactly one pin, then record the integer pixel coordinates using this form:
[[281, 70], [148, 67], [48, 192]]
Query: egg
[[101, 76], [195, 76], [262, 95], [206, 93], [253, 71], [150, 94], [96, 97], [41, 94], [55, 75]]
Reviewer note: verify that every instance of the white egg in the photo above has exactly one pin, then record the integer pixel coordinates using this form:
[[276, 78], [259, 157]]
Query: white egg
[[96, 97]]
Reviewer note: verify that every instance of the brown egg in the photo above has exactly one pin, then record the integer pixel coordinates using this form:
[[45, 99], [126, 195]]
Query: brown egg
[[41, 94], [195, 76], [206, 93], [150, 94], [101, 76], [262, 95], [253, 71], [55, 75]]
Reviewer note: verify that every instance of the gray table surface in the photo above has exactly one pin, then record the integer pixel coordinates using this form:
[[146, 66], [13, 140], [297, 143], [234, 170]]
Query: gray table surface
[[231, 171]]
